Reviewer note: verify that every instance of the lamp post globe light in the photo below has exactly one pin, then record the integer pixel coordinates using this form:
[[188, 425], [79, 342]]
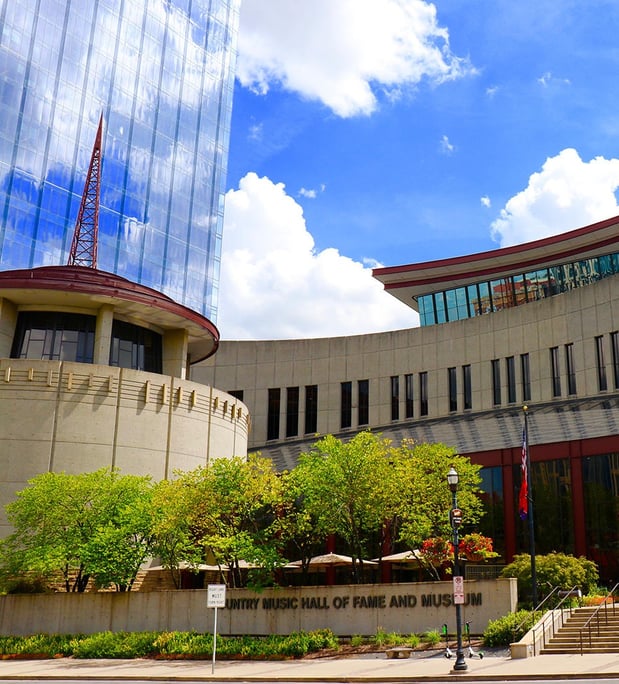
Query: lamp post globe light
[[455, 517]]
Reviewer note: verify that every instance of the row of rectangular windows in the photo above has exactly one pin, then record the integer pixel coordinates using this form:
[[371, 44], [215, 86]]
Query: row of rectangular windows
[[292, 394], [274, 403], [509, 363]]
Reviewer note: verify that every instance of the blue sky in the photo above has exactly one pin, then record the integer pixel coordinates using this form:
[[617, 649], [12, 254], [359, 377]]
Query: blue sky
[[384, 132]]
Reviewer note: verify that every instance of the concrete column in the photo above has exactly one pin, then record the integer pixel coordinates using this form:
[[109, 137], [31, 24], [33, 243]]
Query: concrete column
[[175, 343], [8, 321], [103, 335]]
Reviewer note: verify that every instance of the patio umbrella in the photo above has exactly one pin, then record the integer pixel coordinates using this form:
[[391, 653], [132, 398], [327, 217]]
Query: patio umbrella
[[187, 566], [413, 556], [328, 560]]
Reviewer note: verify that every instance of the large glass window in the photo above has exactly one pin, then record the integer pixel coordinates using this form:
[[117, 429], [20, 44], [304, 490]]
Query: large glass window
[[467, 392], [614, 345], [555, 372], [600, 363], [491, 494], [600, 476], [552, 496], [292, 411], [475, 307], [363, 389], [510, 368], [453, 389], [423, 393], [408, 395], [525, 373], [54, 336], [496, 382], [273, 408], [440, 307], [311, 409], [346, 405], [426, 310], [569, 368], [395, 397], [135, 347]]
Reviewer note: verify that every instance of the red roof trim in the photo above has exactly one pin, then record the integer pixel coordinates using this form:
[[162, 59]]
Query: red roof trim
[[505, 251], [91, 281], [515, 267]]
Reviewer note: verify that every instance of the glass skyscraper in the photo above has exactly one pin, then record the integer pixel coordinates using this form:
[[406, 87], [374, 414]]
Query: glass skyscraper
[[161, 73]]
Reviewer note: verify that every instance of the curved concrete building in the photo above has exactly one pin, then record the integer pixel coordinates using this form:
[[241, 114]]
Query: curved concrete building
[[534, 324], [94, 363], [93, 373]]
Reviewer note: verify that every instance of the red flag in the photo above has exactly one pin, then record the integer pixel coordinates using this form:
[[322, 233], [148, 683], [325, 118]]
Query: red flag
[[523, 500]]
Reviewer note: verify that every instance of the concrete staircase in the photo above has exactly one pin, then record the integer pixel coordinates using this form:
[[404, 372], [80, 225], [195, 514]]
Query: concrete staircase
[[603, 628]]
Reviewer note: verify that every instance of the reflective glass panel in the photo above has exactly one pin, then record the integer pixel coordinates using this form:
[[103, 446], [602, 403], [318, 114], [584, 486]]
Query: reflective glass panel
[[160, 72]]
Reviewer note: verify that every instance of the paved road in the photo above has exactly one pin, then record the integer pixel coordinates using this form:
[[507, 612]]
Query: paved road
[[200, 681], [376, 668]]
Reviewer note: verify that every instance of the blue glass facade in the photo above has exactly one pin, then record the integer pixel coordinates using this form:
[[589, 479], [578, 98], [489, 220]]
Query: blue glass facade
[[503, 293], [161, 72]]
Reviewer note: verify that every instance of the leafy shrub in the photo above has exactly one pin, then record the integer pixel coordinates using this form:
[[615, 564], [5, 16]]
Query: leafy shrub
[[380, 638], [432, 637], [49, 645], [185, 644], [553, 569], [114, 645], [357, 640], [509, 628], [412, 640]]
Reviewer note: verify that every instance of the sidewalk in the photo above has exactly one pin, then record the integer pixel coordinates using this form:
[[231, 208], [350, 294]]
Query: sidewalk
[[371, 668]]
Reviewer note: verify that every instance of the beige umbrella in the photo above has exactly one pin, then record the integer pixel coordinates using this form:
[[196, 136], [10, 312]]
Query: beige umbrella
[[413, 556], [188, 566], [327, 560]]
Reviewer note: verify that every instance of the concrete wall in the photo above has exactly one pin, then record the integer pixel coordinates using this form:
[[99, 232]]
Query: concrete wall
[[575, 317], [72, 417], [346, 609]]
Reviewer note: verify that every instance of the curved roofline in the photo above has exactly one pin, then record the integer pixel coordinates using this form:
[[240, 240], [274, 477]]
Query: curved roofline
[[99, 287], [550, 241], [411, 280]]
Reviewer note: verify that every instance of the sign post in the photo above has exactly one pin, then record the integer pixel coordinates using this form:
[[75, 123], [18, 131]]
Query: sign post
[[215, 598]]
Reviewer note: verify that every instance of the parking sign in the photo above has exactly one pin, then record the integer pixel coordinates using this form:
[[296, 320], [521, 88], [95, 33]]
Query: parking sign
[[458, 589], [216, 596]]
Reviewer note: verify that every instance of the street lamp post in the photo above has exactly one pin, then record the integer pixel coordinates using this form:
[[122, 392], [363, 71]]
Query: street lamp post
[[455, 517]]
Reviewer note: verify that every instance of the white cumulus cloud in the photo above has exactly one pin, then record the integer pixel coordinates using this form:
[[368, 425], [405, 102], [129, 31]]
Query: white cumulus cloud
[[275, 285], [446, 146], [566, 194], [342, 52]]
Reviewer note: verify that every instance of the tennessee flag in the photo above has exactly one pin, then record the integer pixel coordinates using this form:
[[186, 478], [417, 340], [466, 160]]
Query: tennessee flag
[[523, 500]]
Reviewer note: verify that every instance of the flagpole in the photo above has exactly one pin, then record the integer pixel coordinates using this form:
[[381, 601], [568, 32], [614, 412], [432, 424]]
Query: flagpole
[[530, 510]]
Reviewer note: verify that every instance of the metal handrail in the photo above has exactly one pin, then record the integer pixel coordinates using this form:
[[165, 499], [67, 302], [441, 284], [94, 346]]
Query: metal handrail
[[556, 615], [537, 608], [596, 614]]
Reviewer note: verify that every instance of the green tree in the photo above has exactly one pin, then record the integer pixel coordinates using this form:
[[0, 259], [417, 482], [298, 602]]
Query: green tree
[[234, 507], [297, 526], [345, 489], [92, 525], [173, 513], [367, 489], [421, 499]]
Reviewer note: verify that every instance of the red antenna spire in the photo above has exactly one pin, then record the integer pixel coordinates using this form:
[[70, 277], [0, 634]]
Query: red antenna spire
[[84, 245]]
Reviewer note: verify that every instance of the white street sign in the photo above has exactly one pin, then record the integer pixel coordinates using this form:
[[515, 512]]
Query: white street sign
[[216, 596], [458, 589]]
